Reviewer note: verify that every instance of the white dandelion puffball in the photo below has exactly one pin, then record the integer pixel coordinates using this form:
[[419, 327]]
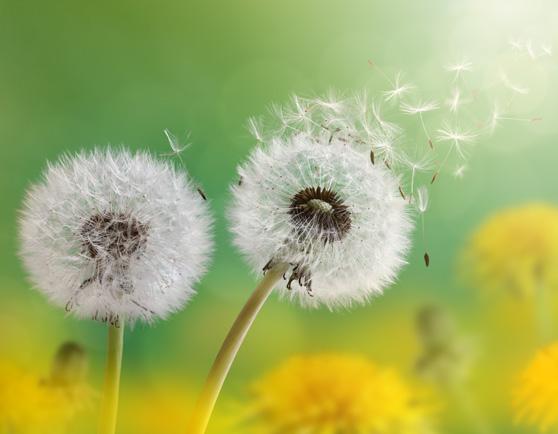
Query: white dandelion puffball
[[110, 234], [323, 208]]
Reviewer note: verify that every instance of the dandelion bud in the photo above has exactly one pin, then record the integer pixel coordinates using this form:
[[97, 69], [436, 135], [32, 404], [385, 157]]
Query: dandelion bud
[[70, 365]]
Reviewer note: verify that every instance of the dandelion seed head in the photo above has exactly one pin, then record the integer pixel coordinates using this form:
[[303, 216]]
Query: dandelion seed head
[[109, 234], [327, 211]]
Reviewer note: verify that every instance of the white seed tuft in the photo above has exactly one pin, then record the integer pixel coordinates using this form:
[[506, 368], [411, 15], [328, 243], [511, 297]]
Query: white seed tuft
[[111, 234], [338, 220]]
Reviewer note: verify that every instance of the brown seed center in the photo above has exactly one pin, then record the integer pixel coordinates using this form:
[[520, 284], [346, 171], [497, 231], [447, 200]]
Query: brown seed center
[[319, 212], [116, 235]]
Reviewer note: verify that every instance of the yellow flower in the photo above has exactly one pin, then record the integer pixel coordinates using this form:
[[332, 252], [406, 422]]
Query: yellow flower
[[337, 394], [30, 404], [516, 250], [162, 407], [536, 395]]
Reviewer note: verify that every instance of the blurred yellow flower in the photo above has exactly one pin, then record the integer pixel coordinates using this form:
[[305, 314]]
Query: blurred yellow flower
[[337, 394], [148, 409], [162, 407], [516, 250], [536, 395], [30, 404]]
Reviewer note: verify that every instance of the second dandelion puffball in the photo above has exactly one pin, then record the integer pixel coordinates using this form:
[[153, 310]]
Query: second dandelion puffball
[[110, 234], [337, 220]]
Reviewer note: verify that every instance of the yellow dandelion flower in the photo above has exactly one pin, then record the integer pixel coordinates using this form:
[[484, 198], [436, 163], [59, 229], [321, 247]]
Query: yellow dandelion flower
[[160, 408], [337, 394], [536, 395], [516, 250], [163, 406], [30, 404]]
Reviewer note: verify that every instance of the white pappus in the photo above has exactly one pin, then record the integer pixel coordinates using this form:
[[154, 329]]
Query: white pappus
[[109, 234], [337, 220]]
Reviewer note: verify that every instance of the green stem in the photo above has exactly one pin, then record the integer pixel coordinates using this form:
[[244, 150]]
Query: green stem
[[229, 349], [109, 405]]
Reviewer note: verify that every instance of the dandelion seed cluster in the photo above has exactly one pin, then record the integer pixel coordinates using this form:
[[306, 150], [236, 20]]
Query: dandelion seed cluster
[[335, 393], [322, 208], [111, 234]]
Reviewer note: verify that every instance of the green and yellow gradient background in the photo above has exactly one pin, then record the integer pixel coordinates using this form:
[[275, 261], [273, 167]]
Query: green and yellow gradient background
[[77, 74]]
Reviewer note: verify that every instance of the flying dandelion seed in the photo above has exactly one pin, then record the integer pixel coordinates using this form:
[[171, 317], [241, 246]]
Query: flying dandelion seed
[[419, 109], [516, 44], [531, 49], [459, 171], [176, 147], [422, 107], [421, 201], [496, 116], [423, 164], [399, 89], [514, 87], [255, 129], [546, 49], [458, 68], [330, 102], [455, 101], [457, 137]]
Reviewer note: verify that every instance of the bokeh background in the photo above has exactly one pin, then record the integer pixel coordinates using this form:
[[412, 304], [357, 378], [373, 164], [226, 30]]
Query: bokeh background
[[76, 75]]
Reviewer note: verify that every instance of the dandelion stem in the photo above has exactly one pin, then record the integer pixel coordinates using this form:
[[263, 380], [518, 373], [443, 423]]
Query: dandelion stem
[[109, 405], [229, 349]]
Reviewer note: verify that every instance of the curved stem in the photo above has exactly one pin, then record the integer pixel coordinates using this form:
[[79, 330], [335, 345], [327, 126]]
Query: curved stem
[[109, 405], [229, 349]]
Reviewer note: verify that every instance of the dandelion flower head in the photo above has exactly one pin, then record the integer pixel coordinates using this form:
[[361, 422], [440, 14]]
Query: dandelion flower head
[[336, 219], [31, 404], [515, 250], [333, 393], [535, 394], [109, 234]]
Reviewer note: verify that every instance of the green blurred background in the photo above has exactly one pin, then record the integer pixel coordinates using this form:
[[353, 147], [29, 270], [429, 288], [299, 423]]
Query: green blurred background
[[77, 74]]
